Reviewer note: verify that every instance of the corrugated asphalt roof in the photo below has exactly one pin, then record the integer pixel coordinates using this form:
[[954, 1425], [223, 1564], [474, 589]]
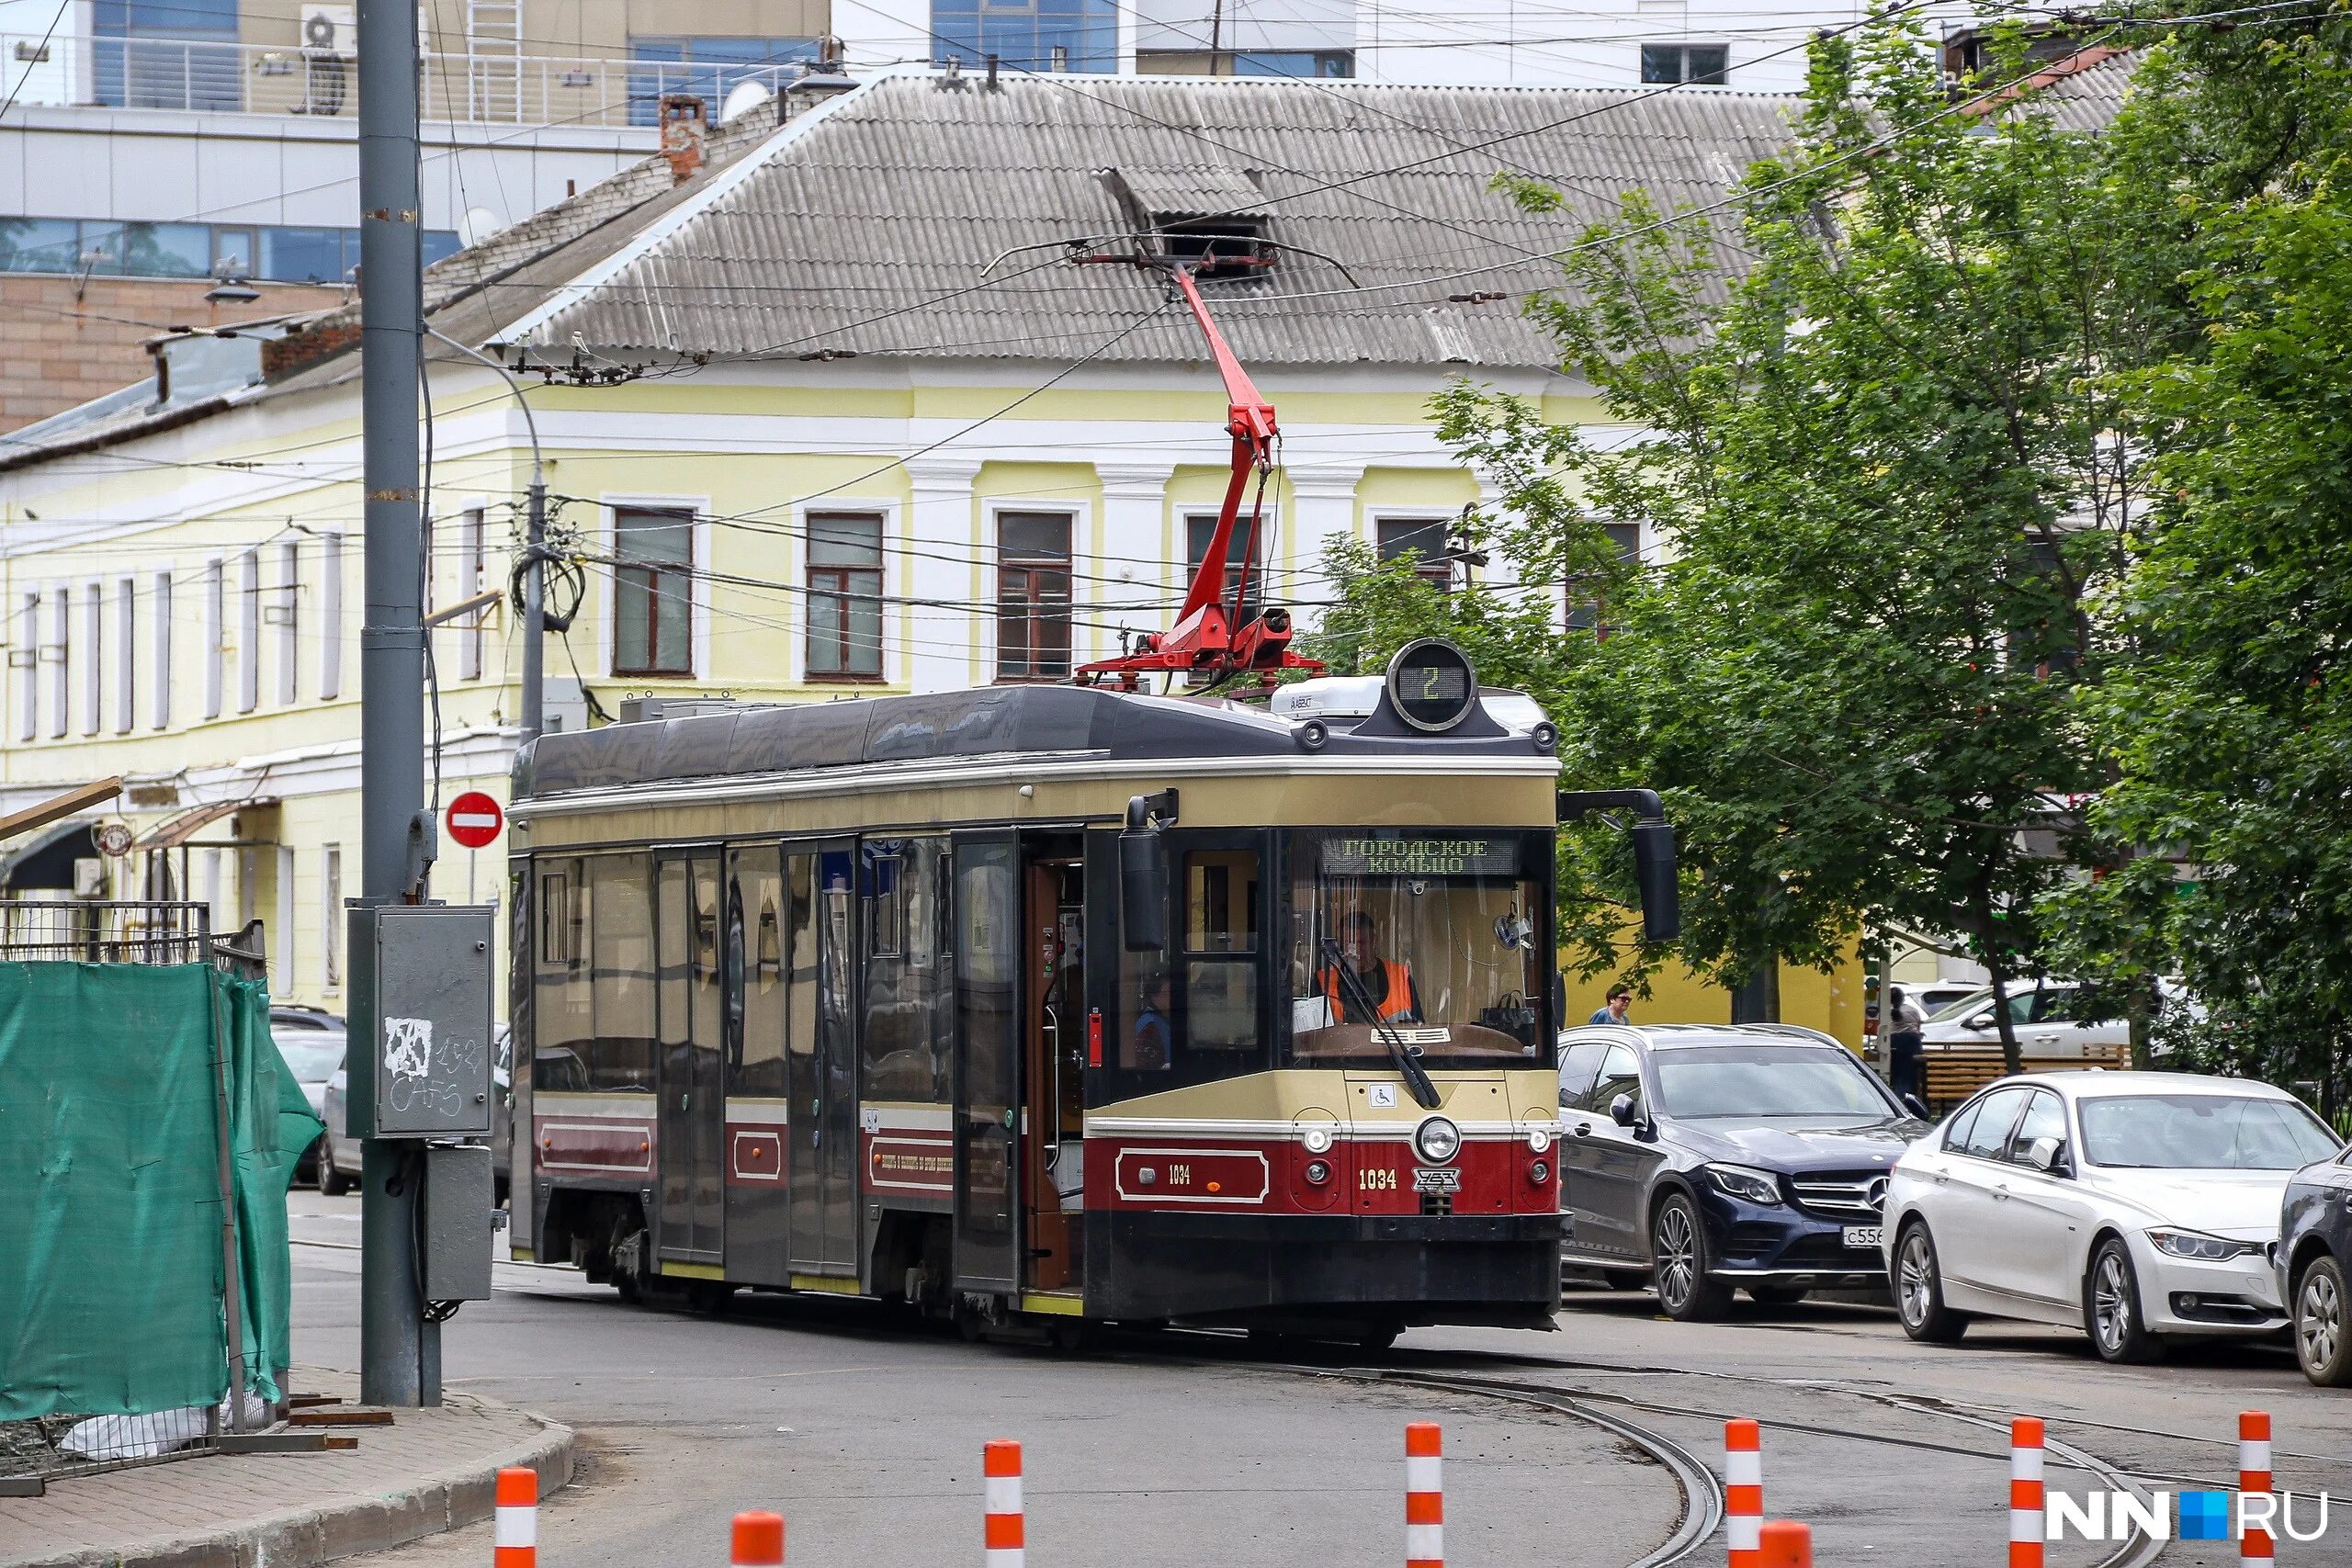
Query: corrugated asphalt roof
[[906, 190]]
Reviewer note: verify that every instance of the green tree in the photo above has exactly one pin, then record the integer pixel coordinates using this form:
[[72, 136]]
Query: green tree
[[1890, 474]]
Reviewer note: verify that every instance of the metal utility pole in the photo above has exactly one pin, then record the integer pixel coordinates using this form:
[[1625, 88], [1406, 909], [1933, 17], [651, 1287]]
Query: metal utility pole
[[399, 1351]]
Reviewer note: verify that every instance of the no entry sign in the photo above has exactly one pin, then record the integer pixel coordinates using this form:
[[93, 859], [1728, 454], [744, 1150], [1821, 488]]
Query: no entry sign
[[473, 820]]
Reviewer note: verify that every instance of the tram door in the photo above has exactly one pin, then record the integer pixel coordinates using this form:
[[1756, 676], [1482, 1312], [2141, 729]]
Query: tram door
[[1054, 991], [692, 1066], [821, 1063], [987, 1229]]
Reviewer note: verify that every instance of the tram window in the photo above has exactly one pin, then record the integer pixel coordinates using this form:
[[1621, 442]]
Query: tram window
[[620, 1056], [562, 916], [1220, 1005], [907, 996], [564, 1020], [800, 954], [1221, 901], [760, 886]]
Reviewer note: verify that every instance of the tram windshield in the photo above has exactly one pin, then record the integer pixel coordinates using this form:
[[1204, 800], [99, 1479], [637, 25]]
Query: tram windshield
[[1437, 942]]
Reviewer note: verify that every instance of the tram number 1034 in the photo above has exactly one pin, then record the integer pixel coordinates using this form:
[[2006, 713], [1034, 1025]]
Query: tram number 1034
[[1376, 1181]]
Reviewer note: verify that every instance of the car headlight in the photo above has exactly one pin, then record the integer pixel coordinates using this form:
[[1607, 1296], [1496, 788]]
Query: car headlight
[[1746, 1182], [1437, 1141], [2200, 1246]]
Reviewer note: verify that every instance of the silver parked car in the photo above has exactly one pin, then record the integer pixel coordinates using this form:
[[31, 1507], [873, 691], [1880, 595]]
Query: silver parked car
[[338, 1164]]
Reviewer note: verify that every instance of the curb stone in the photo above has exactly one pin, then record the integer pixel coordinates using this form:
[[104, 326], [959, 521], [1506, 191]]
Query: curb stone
[[304, 1538]]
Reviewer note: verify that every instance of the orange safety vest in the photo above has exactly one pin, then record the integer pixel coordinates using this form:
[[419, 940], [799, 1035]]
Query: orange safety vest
[[1396, 1004]]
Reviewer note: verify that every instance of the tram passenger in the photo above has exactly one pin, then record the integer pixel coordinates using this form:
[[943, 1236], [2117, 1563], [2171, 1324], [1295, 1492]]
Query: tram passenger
[[1388, 982], [1148, 1047]]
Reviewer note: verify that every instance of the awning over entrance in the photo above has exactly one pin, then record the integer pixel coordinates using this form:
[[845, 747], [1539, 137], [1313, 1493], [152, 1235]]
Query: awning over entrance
[[174, 832], [46, 859]]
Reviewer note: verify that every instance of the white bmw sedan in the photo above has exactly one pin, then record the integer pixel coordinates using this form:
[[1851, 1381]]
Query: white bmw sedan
[[2132, 1205]]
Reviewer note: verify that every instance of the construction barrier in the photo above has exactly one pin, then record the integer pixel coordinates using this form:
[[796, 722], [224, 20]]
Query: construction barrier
[[1784, 1543], [758, 1541], [516, 1528], [2255, 1547], [2025, 1492], [1003, 1531], [1744, 1493], [1424, 1495]]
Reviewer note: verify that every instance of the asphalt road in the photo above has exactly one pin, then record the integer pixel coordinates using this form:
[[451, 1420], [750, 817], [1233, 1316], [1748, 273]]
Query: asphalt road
[[866, 1430]]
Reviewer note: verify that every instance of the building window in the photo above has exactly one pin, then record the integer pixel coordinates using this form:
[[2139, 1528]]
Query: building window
[[653, 585], [330, 617], [331, 917], [1199, 527], [1033, 595], [249, 631], [844, 595], [216, 632], [1423, 539], [59, 654], [709, 68], [26, 657], [1588, 605], [469, 568], [126, 654], [285, 615], [94, 638], [1705, 64], [1029, 35], [161, 644], [108, 248]]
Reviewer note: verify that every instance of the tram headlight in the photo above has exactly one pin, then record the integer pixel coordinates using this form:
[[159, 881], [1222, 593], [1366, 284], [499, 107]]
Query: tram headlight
[[1538, 1139], [1313, 735], [1317, 1140], [1318, 1172], [1437, 1141], [1540, 1172]]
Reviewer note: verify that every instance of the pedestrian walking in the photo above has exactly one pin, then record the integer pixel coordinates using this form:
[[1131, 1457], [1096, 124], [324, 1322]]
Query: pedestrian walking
[[1621, 1002], [1899, 1023]]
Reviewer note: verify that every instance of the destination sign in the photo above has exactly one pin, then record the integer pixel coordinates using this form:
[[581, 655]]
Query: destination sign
[[1420, 856]]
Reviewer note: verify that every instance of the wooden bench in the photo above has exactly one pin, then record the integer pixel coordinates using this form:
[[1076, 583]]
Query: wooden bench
[[1954, 1075]]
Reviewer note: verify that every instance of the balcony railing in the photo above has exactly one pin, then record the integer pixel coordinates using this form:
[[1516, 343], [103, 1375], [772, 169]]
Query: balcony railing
[[236, 78]]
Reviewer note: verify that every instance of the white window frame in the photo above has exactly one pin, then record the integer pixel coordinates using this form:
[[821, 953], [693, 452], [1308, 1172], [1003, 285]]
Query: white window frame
[[26, 657], [160, 640], [59, 653], [249, 630], [126, 654], [216, 632], [93, 662], [330, 617], [331, 917], [698, 585], [288, 595]]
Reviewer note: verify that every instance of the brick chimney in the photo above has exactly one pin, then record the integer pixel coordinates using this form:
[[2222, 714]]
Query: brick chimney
[[685, 121]]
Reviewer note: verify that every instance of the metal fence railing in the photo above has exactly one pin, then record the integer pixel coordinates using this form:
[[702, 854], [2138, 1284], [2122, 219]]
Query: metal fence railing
[[494, 88], [117, 932]]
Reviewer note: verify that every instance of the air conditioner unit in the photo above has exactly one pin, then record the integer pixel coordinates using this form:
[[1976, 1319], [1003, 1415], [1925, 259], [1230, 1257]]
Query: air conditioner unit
[[330, 31]]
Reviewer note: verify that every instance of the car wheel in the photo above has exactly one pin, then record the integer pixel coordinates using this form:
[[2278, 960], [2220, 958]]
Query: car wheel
[[332, 1183], [1678, 1263], [2321, 1344], [1919, 1290], [1777, 1295], [2111, 1307]]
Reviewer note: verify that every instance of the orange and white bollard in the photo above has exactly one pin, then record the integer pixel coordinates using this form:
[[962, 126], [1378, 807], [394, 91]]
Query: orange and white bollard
[[1744, 1493], [2255, 1547], [1005, 1532], [758, 1541], [2025, 1492], [1424, 1495], [516, 1528], [1784, 1543]]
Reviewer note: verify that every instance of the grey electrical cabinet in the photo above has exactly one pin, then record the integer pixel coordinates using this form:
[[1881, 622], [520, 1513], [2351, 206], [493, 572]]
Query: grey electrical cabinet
[[453, 1223], [420, 1056]]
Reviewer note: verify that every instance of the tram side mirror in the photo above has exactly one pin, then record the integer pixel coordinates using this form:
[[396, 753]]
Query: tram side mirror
[[1654, 873], [1143, 890]]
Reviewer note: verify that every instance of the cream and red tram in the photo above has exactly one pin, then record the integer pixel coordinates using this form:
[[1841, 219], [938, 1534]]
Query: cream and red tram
[[1050, 1000]]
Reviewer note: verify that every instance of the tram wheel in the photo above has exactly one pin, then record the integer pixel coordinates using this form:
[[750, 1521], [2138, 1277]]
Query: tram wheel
[[627, 1249]]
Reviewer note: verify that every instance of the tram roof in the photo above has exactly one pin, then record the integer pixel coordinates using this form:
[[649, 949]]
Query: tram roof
[[1000, 721]]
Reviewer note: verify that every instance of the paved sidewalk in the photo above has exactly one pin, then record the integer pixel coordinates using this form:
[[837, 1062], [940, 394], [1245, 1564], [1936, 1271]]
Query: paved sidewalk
[[430, 1471]]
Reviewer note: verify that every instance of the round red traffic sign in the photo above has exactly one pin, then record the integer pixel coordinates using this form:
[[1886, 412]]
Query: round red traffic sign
[[473, 820]]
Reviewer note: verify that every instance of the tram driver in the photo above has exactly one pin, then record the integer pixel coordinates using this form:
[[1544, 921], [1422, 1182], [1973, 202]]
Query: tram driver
[[1386, 982]]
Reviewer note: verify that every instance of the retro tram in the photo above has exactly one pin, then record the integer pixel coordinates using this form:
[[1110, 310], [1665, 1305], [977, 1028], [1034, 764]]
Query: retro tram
[[1033, 1005]]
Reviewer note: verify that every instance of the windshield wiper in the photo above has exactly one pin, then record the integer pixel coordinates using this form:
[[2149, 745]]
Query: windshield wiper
[[1406, 1063]]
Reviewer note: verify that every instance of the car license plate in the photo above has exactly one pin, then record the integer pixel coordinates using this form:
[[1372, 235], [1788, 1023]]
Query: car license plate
[[1437, 1178], [1865, 1236]]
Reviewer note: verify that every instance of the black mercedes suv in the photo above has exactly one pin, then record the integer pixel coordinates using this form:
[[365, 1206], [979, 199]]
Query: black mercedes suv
[[1711, 1157]]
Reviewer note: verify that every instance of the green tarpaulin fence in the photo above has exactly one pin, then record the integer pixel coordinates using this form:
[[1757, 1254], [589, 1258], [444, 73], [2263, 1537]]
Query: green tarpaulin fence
[[111, 1269]]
